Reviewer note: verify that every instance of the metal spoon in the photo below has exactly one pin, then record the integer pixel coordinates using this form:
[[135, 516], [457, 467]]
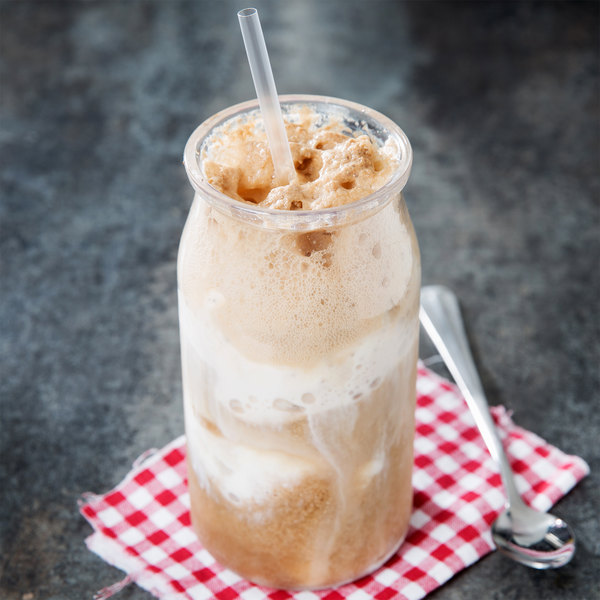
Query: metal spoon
[[535, 539]]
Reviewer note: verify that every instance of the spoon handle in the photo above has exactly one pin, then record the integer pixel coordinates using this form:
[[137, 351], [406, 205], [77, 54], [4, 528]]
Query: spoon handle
[[440, 316]]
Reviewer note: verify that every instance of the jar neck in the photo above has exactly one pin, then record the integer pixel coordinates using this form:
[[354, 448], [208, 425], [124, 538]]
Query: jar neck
[[362, 119]]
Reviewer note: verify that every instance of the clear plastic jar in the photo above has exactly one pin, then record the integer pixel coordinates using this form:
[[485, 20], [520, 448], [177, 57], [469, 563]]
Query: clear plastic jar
[[299, 343]]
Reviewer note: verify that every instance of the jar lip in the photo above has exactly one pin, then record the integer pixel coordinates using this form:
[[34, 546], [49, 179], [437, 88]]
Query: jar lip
[[297, 219]]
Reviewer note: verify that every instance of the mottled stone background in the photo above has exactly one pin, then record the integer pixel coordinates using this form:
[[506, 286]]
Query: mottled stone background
[[501, 102]]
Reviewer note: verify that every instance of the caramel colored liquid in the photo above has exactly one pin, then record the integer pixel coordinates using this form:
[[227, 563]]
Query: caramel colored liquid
[[342, 518]]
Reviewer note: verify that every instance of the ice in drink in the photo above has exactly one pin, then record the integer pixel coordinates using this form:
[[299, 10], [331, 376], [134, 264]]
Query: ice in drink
[[299, 329]]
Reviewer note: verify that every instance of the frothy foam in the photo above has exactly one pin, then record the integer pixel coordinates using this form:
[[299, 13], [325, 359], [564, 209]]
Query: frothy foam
[[295, 298], [334, 165], [255, 392]]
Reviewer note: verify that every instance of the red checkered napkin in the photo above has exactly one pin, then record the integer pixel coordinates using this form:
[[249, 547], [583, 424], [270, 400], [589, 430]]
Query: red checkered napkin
[[143, 525]]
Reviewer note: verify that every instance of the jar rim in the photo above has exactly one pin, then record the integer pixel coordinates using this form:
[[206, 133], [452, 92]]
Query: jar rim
[[297, 219]]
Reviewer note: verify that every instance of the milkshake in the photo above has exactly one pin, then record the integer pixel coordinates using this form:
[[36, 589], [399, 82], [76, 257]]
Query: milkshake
[[298, 309]]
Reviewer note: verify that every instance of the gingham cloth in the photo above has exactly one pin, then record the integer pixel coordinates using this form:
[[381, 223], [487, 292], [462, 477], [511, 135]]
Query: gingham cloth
[[143, 525]]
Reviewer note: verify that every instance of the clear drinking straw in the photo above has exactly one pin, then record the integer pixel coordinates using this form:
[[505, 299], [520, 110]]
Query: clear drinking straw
[[262, 75]]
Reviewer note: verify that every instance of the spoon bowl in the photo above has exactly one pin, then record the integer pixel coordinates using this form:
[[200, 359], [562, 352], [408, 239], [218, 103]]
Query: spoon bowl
[[542, 542], [532, 538]]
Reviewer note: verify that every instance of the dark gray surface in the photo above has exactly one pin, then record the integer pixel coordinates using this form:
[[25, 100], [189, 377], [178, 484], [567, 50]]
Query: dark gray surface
[[501, 102]]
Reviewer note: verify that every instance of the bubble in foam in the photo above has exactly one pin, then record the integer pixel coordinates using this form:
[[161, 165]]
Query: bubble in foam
[[236, 406], [308, 398], [376, 251], [214, 298], [375, 382], [285, 405]]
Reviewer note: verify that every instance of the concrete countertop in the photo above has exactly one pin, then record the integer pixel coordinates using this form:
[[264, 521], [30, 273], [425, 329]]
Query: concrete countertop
[[501, 103]]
